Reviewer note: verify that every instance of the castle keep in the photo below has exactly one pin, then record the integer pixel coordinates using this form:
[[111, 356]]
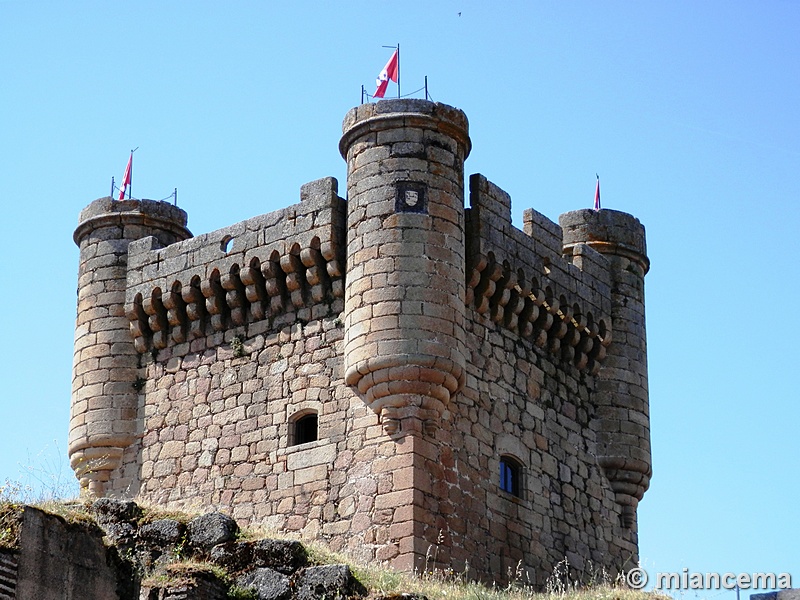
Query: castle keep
[[408, 379]]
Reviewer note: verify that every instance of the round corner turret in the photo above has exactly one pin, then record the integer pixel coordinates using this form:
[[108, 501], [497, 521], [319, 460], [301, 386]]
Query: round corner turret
[[400, 113], [103, 416], [404, 308], [608, 232], [154, 214], [623, 408]]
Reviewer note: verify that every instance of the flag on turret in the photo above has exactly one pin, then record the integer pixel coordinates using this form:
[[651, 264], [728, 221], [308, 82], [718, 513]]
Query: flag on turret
[[597, 195], [126, 179], [389, 72]]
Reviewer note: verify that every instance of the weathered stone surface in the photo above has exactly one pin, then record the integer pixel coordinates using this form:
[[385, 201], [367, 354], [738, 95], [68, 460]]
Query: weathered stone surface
[[9, 565], [233, 556], [328, 581], [164, 532], [60, 560], [206, 531], [267, 584], [202, 586], [110, 510], [120, 534], [285, 556]]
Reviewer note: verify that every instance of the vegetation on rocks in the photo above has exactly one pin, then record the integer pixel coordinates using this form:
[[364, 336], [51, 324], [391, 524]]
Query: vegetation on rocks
[[210, 548]]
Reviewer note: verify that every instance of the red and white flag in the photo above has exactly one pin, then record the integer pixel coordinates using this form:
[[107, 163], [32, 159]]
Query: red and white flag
[[597, 195], [126, 179], [389, 72]]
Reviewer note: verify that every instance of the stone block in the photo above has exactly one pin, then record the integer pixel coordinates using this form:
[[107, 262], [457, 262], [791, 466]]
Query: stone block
[[318, 455], [211, 529], [267, 584], [329, 581], [310, 474], [58, 560]]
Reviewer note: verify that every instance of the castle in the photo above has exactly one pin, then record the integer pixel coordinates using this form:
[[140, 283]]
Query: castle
[[410, 380]]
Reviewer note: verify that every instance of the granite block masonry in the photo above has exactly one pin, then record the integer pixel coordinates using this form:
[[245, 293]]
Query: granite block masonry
[[409, 379]]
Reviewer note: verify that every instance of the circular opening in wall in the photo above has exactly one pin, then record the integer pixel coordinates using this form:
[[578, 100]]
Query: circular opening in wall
[[226, 245]]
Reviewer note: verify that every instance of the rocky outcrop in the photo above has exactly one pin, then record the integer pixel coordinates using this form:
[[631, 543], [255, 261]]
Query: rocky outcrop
[[116, 551]]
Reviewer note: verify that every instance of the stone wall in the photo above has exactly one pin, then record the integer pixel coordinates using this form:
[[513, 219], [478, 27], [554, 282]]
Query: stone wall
[[426, 347], [55, 559]]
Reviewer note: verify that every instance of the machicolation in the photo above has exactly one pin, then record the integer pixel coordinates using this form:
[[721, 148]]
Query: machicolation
[[387, 372]]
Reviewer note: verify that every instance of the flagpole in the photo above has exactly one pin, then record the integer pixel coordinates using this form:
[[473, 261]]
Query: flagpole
[[398, 69], [597, 194], [112, 187], [130, 184]]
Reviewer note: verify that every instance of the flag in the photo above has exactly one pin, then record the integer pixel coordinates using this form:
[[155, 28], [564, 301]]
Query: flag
[[597, 195], [126, 179], [389, 72]]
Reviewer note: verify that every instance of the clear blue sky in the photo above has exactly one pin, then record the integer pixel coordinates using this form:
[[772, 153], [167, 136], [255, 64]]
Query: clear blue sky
[[689, 111]]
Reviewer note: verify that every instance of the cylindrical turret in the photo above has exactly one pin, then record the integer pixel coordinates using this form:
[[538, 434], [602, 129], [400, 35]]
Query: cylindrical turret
[[404, 297], [623, 410], [104, 394]]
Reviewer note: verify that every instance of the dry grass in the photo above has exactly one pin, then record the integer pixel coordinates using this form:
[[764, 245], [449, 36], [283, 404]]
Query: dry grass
[[10, 523], [182, 572], [438, 585], [76, 511], [378, 578]]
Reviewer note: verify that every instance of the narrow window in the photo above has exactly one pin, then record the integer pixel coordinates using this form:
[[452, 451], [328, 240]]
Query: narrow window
[[510, 474], [305, 429]]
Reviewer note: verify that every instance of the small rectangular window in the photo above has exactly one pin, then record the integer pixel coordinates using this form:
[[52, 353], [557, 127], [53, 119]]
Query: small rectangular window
[[510, 472], [305, 429]]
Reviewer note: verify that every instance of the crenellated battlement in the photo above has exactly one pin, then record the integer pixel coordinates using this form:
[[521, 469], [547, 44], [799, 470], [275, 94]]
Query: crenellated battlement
[[288, 260], [522, 281], [395, 370]]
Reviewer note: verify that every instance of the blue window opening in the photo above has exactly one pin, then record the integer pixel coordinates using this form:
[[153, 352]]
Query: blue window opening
[[510, 474]]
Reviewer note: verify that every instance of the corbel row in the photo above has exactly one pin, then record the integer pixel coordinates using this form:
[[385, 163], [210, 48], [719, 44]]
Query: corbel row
[[519, 303], [244, 294]]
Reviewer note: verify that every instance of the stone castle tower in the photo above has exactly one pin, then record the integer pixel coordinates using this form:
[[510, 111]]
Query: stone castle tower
[[408, 379]]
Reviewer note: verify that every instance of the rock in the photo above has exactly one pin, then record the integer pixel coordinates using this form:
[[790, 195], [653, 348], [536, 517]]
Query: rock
[[187, 585], [233, 556], [110, 510], [120, 534], [164, 532], [332, 582], [268, 584], [206, 531], [285, 556]]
